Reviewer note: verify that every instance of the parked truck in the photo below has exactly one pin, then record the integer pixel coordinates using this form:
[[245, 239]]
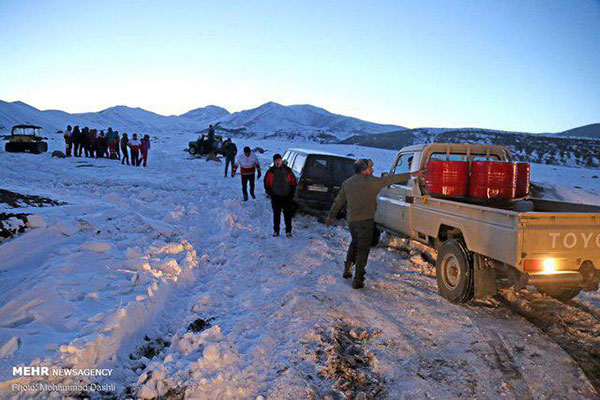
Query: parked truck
[[552, 245]]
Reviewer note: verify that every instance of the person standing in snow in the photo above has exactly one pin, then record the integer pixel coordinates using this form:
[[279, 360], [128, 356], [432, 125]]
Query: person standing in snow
[[124, 144], [68, 141], [144, 147], [230, 151], [248, 164], [359, 192], [77, 139], [134, 145], [100, 144], [210, 139], [280, 185]]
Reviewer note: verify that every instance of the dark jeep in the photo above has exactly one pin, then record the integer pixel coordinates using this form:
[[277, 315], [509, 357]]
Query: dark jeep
[[320, 176]]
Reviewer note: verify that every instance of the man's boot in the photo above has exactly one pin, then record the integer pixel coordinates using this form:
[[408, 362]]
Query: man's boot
[[359, 279], [347, 270], [358, 283]]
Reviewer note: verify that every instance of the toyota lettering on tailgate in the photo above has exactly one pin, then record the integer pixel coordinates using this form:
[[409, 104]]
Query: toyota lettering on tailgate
[[572, 239]]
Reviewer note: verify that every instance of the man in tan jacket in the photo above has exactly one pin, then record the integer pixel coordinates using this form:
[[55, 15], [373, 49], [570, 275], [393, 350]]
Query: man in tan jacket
[[359, 192]]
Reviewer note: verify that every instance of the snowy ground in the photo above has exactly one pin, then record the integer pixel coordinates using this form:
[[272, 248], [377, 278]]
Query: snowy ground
[[115, 277]]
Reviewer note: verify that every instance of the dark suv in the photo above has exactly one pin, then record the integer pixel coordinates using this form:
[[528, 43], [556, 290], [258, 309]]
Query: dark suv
[[320, 176]]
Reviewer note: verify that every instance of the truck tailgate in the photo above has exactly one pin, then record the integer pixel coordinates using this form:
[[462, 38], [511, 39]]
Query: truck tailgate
[[560, 235]]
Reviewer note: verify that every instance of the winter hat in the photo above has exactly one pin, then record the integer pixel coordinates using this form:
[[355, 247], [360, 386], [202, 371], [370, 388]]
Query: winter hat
[[362, 164], [276, 156]]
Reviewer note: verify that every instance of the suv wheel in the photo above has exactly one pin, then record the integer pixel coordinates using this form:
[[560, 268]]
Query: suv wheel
[[454, 272]]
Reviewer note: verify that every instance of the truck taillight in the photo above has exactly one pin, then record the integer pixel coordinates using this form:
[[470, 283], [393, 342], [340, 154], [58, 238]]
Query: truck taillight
[[541, 265]]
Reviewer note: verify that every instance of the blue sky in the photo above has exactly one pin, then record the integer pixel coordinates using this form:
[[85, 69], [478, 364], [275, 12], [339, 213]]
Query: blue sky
[[515, 65]]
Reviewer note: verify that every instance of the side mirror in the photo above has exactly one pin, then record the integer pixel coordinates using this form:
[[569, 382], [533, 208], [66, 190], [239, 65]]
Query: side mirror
[[384, 174]]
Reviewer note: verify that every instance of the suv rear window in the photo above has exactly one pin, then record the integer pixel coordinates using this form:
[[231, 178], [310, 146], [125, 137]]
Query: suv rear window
[[332, 170]]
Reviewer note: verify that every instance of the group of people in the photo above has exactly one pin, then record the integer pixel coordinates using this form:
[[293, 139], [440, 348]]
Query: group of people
[[93, 144], [358, 193]]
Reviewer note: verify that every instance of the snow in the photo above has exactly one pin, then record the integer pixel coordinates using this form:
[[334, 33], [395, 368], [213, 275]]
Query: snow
[[114, 278]]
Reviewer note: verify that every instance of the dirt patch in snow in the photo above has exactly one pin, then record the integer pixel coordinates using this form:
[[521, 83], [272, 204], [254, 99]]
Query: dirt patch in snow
[[11, 224], [348, 363], [17, 200], [149, 349], [573, 328], [200, 324]]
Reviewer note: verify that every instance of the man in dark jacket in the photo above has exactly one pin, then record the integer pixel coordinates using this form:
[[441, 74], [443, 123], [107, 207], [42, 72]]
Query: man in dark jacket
[[359, 192], [230, 151], [210, 139], [280, 185]]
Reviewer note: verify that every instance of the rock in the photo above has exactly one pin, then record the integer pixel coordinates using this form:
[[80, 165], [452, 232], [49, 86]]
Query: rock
[[58, 154], [36, 221]]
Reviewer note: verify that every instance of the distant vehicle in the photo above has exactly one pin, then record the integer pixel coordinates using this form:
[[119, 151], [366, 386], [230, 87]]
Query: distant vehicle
[[552, 245], [26, 138], [320, 176], [198, 147]]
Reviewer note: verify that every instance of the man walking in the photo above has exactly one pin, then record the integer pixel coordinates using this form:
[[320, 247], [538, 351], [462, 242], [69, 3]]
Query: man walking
[[230, 151], [360, 193], [248, 164], [280, 185]]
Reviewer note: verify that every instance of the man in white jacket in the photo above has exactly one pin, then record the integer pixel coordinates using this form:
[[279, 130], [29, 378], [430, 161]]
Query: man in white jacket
[[248, 164]]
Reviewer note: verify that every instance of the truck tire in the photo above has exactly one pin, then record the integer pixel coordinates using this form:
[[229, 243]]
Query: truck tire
[[193, 150], [563, 294], [11, 147], [38, 148], [454, 272]]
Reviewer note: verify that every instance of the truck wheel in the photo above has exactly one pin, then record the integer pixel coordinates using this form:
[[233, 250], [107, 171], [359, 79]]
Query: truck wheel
[[563, 294], [193, 150], [454, 272]]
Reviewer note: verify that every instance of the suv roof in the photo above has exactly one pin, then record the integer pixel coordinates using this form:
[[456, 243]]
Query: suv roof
[[317, 152], [26, 126]]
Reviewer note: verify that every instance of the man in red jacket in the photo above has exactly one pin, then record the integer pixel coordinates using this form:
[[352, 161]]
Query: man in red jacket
[[280, 185]]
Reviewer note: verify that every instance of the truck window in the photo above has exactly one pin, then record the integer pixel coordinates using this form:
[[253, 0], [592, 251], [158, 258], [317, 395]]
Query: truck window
[[462, 157], [403, 163]]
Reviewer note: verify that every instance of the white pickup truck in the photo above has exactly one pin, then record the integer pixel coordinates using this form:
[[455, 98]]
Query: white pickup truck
[[553, 245]]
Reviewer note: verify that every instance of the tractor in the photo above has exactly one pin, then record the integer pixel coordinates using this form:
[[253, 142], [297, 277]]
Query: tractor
[[26, 138]]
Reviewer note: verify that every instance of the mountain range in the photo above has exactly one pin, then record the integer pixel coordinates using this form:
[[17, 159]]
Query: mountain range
[[269, 119]]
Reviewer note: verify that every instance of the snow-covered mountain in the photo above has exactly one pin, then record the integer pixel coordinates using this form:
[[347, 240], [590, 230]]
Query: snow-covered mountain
[[266, 120], [274, 118], [121, 118], [207, 113]]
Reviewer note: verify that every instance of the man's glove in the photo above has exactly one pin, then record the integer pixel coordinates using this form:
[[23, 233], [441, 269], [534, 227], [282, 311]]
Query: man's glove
[[329, 221]]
